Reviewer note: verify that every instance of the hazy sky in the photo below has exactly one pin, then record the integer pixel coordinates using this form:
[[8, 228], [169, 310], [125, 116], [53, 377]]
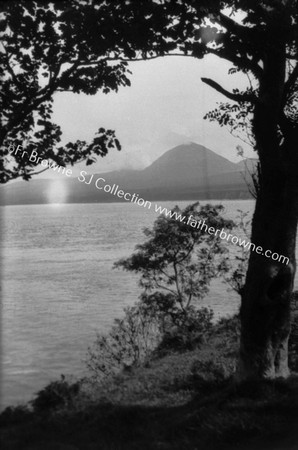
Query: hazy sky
[[164, 107]]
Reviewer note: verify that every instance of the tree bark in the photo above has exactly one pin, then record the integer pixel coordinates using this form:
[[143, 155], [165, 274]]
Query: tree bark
[[266, 297], [265, 308]]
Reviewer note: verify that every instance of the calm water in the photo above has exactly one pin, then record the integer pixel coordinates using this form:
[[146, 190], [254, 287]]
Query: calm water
[[59, 289]]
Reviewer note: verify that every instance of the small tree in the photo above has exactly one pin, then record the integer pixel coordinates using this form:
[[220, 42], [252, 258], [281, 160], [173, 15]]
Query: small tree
[[178, 262]]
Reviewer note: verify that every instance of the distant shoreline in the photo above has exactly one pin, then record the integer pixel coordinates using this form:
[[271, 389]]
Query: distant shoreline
[[123, 201]]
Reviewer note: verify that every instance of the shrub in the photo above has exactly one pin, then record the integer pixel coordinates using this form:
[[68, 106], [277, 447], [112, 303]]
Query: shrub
[[187, 330], [129, 343], [15, 415], [56, 395], [134, 338]]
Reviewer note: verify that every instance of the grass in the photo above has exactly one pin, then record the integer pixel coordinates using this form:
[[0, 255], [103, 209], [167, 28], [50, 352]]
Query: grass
[[185, 400], [223, 416]]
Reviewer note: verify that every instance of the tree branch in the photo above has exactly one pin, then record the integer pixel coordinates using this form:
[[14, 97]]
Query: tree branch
[[40, 171], [235, 97], [233, 26], [160, 286], [177, 279], [179, 261], [245, 63], [137, 59]]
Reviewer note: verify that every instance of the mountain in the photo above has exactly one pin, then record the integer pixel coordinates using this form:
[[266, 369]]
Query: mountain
[[186, 172], [187, 165]]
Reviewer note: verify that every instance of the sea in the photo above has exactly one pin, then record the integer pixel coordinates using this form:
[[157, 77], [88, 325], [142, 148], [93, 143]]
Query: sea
[[59, 287]]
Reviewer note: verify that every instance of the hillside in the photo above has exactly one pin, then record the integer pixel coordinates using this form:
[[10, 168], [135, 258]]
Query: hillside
[[186, 172], [183, 400]]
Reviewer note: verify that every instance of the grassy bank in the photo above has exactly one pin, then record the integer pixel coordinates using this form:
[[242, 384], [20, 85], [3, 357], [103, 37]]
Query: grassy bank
[[178, 400]]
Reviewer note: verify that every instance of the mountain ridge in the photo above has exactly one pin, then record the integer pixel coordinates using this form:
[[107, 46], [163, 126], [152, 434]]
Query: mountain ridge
[[188, 171]]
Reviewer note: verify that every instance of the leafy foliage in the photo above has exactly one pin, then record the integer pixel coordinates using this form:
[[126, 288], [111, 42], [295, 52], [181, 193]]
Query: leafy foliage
[[237, 117], [67, 46], [48, 48], [178, 261]]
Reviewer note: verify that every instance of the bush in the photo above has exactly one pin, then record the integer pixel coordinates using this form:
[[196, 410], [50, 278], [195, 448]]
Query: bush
[[56, 395], [15, 415], [129, 343], [187, 330], [134, 339]]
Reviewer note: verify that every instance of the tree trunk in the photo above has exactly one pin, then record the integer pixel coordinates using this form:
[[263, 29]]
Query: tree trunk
[[265, 308], [265, 305]]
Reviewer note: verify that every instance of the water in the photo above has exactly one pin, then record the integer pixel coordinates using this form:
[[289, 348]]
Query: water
[[59, 288]]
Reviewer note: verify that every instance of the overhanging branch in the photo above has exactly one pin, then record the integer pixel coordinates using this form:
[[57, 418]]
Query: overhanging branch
[[241, 62], [232, 26], [235, 97], [119, 58]]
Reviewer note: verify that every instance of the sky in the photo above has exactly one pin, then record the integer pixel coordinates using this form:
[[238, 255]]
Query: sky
[[164, 107]]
